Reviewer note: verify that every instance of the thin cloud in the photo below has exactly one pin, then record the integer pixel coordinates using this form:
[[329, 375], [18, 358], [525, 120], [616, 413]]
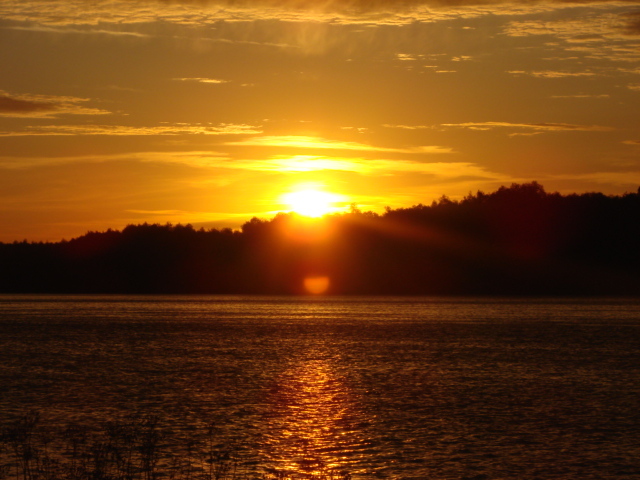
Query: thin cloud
[[197, 159], [582, 96], [363, 166], [408, 57], [201, 80], [537, 127], [408, 127], [277, 164], [16, 106], [559, 74], [551, 73], [602, 21], [306, 142], [356, 129], [633, 25], [628, 180], [122, 130], [180, 213], [44, 106], [78, 31], [605, 30], [373, 5]]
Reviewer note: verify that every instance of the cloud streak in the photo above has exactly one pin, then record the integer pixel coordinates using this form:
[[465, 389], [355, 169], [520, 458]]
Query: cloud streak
[[123, 130], [195, 159], [633, 25], [44, 106], [607, 31], [307, 142], [552, 73], [535, 127], [628, 179], [201, 80], [17, 106], [310, 163], [375, 5], [79, 31]]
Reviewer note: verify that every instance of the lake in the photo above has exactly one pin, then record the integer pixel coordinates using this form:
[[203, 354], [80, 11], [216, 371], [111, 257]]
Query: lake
[[380, 387]]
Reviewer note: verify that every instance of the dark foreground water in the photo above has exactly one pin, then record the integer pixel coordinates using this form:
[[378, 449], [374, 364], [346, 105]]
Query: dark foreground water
[[420, 388]]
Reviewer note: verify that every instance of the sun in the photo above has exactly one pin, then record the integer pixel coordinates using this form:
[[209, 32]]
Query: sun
[[311, 202]]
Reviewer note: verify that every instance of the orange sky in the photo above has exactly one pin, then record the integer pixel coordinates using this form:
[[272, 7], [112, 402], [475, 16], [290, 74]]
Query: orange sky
[[207, 112]]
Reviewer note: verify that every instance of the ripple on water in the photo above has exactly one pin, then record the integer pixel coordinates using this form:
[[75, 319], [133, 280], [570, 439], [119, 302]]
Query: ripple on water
[[380, 387]]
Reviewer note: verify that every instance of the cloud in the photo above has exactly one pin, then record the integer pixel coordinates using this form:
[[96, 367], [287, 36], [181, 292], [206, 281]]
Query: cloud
[[603, 20], [633, 25], [201, 80], [535, 127], [278, 163], [356, 129], [604, 95], [363, 166], [202, 12], [603, 30], [306, 142], [180, 213], [625, 179], [78, 31], [408, 127], [16, 106], [197, 159], [44, 106], [123, 130], [551, 73], [375, 5]]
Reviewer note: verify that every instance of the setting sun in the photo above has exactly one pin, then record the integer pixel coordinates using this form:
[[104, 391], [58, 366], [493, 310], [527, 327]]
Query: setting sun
[[311, 202]]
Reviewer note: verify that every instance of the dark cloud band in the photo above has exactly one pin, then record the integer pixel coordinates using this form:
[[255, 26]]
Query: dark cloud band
[[17, 106], [633, 27]]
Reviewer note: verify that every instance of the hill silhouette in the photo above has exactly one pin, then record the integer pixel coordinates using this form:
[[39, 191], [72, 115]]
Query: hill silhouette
[[518, 240]]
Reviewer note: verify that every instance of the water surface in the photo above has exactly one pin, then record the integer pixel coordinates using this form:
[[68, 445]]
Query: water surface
[[382, 387]]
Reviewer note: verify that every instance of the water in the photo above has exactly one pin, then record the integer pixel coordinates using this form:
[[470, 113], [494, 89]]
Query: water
[[387, 387]]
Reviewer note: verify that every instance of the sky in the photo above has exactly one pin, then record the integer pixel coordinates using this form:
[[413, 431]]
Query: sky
[[117, 112]]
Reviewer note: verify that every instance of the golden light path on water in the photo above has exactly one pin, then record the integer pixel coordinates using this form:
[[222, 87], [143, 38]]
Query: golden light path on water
[[312, 413]]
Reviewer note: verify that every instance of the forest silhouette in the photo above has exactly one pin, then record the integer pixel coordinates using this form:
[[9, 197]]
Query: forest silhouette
[[518, 240]]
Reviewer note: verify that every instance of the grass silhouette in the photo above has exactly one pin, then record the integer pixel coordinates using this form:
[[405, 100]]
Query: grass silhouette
[[136, 448]]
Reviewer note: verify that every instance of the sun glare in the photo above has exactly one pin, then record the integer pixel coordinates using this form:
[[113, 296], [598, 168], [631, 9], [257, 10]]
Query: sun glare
[[311, 203], [316, 285]]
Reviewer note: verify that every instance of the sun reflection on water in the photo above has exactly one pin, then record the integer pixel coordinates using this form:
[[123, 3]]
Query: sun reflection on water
[[313, 420]]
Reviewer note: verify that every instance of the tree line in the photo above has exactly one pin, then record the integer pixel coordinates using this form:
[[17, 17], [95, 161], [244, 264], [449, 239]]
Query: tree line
[[518, 240]]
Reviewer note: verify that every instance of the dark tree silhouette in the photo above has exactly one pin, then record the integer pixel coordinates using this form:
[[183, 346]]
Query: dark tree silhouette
[[518, 240]]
